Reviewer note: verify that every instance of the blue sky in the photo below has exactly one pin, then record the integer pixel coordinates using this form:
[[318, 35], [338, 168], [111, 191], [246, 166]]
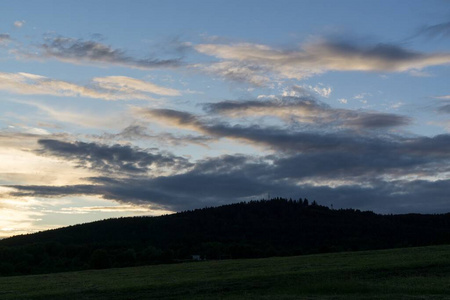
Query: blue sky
[[118, 108]]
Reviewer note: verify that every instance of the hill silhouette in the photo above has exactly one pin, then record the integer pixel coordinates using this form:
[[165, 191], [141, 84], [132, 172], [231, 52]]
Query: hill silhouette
[[277, 227]]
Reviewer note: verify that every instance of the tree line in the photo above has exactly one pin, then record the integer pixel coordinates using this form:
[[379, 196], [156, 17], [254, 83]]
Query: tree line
[[276, 227]]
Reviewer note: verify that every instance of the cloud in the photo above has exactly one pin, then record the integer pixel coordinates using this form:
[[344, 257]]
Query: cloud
[[31, 84], [307, 90], [280, 139], [237, 72], [291, 141], [177, 191], [19, 24], [307, 110], [111, 159], [228, 179], [4, 38], [140, 133], [340, 165], [441, 30], [378, 120], [79, 51], [322, 91], [418, 73], [444, 109], [105, 88], [170, 117], [119, 208], [438, 145], [251, 60], [127, 85]]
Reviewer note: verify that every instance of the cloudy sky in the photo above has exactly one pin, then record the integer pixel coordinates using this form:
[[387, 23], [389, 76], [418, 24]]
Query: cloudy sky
[[119, 108]]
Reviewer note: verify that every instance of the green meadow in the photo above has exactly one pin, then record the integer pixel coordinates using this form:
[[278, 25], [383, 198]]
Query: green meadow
[[407, 273]]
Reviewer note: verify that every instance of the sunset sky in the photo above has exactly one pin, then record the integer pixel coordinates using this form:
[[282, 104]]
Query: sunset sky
[[123, 108]]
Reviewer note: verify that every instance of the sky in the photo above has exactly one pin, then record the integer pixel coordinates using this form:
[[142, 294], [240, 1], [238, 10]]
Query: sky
[[126, 108]]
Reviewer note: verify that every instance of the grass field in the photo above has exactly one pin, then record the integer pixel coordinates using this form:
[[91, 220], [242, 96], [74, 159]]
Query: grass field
[[410, 273]]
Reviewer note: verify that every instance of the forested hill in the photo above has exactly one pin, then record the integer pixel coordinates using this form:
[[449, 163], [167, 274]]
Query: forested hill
[[254, 229]]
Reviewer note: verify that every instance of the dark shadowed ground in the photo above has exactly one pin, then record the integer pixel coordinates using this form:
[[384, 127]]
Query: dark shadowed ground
[[410, 273]]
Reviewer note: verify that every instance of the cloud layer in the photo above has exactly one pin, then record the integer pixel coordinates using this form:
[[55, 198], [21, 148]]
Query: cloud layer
[[307, 110], [386, 173], [255, 62], [116, 158], [105, 88], [87, 51], [347, 180], [290, 145]]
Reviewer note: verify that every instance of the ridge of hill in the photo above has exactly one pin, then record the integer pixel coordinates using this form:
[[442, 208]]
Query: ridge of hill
[[277, 227]]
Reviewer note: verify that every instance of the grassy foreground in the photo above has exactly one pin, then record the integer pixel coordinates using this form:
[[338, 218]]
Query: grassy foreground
[[411, 273]]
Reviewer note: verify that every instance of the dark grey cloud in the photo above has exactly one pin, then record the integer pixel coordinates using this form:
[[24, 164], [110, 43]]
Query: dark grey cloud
[[215, 184], [140, 132], [89, 51], [385, 53], [379, 120], [115, 158], [438, 145], [212, 182], [56, 191], [343, 168], [230, 106], [307, 109], [366, 170], [282, 139], [180, 117]]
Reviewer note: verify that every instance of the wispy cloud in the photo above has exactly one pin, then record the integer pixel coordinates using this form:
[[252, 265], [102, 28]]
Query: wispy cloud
[[126, 85], [79, 51], [441, 30], [138, 132], [419, 73], [253, 60], [307, 110], [280, 139], [236, 71], [4, 38], [19, 24], [444, 109], [105, 88]]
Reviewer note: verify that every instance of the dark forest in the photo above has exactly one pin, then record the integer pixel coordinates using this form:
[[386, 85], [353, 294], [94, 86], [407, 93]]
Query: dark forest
[[266, 228]]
